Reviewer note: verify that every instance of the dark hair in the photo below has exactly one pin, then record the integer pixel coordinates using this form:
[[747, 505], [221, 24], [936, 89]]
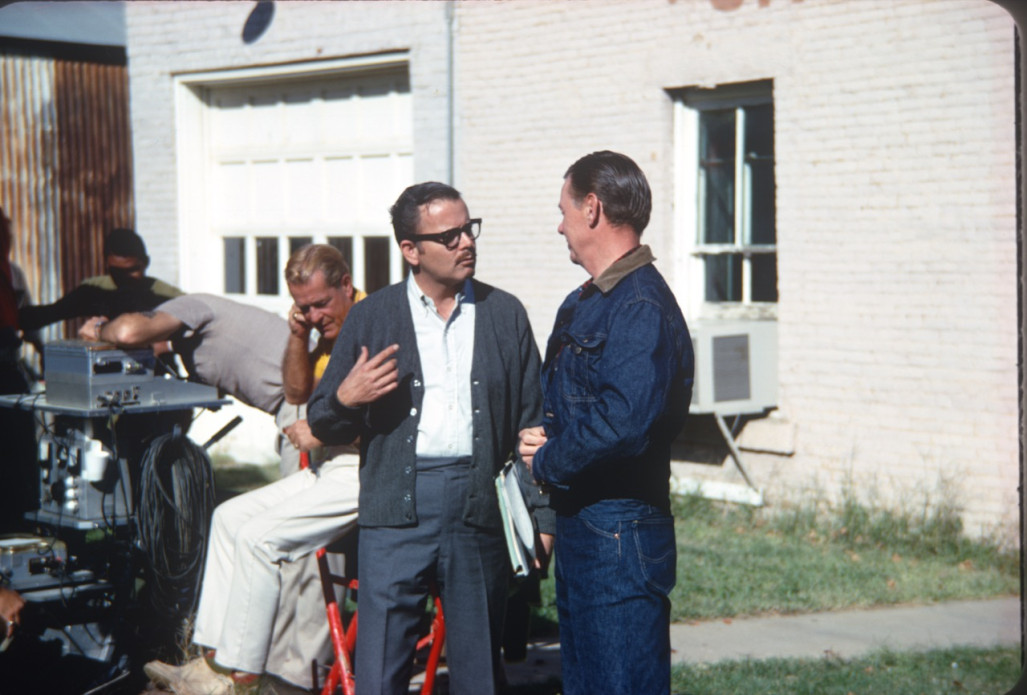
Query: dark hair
[[125, 242], [618, 183], [406, 212], [309, 259]]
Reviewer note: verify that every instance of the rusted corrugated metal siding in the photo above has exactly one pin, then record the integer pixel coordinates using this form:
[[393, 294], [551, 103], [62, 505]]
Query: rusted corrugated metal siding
[[65, 165]]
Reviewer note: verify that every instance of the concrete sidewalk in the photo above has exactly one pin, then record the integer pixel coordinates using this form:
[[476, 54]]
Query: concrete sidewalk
[[851, 633], [845, 634]]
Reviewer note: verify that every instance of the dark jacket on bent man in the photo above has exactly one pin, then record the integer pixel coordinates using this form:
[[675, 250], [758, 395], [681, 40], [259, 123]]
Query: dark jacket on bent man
[[100, 296], [505, 397]]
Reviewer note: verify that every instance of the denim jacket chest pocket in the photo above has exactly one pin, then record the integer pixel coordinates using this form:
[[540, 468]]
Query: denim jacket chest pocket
[[578, 365]]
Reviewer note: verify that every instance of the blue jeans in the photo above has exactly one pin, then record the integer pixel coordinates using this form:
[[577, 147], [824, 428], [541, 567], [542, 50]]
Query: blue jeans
[[615, 566]]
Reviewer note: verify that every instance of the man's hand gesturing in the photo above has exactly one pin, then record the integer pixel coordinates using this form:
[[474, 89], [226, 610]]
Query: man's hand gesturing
[[369, 379]]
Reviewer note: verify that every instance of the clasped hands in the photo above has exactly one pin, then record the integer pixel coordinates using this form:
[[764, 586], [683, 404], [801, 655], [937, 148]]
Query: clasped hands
[[532, 439]]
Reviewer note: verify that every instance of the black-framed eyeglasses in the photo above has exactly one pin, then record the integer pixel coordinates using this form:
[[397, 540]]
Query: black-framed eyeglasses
[[451, 237]]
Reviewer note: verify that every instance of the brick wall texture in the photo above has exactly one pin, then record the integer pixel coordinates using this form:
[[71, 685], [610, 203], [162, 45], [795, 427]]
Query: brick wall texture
[[895, 168]]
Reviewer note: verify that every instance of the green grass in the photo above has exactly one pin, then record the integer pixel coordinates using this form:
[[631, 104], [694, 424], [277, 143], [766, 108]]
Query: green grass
[[740, 561], [963, 671], [231, 478], [960, 671], [735, 561]]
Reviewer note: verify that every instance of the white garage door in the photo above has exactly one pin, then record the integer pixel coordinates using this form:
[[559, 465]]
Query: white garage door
[[295, 161]]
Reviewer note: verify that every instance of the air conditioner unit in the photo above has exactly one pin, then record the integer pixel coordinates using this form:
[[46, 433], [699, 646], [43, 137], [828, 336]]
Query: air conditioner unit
[[735, 367]]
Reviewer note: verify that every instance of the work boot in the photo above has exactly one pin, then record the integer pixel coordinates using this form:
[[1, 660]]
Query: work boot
[[194, 677]]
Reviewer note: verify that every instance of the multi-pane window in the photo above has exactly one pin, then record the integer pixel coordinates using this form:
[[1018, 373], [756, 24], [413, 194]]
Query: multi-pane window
[[736, 232]]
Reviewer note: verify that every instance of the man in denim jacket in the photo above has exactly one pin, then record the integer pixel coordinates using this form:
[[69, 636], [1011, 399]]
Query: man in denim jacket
[[617, 381]]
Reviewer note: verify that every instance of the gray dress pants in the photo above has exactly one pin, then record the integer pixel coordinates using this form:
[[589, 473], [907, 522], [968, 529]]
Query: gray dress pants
[[397, 567]]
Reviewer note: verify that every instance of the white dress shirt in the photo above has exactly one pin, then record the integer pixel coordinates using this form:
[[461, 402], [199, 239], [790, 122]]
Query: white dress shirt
[[446, 349]]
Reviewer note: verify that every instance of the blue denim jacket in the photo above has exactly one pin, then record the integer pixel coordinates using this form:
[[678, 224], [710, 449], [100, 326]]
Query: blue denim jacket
[[616, 382]]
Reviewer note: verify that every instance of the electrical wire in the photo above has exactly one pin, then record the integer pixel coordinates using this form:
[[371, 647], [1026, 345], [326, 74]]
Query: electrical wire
[[176, 499]]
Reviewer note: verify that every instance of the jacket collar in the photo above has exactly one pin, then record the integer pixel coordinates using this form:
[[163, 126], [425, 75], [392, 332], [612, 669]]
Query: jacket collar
[[624, 266]]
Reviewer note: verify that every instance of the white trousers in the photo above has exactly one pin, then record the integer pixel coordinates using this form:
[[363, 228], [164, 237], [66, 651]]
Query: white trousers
[[301, 636], [251, 536]]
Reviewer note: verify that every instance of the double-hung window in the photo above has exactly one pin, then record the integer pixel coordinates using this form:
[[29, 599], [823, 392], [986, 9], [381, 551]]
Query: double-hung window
[[728, 151]]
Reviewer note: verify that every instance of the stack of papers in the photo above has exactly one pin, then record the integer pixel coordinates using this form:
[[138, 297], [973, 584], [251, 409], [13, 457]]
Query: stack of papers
[[517, 526]]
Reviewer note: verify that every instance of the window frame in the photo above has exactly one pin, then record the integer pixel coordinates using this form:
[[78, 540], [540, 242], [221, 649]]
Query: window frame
[[689, 104]]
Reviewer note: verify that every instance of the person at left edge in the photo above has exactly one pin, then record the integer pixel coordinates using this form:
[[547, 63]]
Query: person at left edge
[[19, 492], [124, 288], [437, 394]]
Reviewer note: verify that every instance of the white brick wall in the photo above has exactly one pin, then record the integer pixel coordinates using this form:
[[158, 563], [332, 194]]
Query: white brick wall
[[896, 210], [895, 201]]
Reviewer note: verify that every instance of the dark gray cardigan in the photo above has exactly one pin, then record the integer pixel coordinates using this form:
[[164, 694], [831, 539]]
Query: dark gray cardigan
[[505, 397]]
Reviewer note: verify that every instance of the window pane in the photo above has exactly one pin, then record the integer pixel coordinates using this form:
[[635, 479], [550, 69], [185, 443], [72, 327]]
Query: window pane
[[759, 156], [717, 160], [376, 262], [763, 212], [724, 278], [764, 277], [759, 131], [235, 265], [267, 265], [298, 242], [345, 246]]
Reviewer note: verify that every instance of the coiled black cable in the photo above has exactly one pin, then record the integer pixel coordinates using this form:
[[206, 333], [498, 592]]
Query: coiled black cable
[[176, 499]]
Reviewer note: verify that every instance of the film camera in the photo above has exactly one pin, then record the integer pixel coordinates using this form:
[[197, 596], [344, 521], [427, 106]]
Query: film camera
[[107, 425]]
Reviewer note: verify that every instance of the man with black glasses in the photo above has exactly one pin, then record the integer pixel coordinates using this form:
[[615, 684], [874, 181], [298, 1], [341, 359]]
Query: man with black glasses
[[435, 375]]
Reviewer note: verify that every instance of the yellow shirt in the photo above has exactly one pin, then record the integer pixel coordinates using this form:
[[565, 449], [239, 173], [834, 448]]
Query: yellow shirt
[[323, 349]]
